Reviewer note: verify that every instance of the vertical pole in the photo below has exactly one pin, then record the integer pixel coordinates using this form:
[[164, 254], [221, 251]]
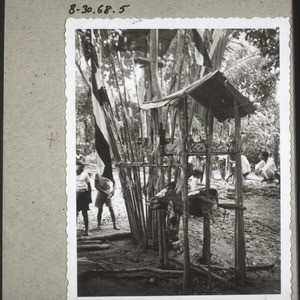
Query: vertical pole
[[184, 174], [160, 239], [240, 252], [156, 92], [206, 221], [165, 236]]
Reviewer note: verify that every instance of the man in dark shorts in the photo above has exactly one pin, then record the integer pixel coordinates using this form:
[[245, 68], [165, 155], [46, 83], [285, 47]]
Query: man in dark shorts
[[83, 193], [106, 190]]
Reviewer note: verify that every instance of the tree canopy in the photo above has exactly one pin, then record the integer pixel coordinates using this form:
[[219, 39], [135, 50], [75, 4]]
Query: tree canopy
[[248, 57]]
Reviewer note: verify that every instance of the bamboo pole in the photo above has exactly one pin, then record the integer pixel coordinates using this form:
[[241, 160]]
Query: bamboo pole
[[156, 92], [133, 222], [131, 219], [133, 143], [136, 194], [98, 49], [126, 192], [160, 239], [139, 202], [126, 120], [153, 52], [154, 230], [132, 196], [204, 271], [142, 205], [184, 174], [150, 192], [113, 133], [142, 156], [165, 231], [206, 220], [240, 251], [181, 61]]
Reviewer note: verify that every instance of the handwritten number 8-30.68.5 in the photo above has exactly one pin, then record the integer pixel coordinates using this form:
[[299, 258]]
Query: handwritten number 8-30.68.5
[[86, 9]]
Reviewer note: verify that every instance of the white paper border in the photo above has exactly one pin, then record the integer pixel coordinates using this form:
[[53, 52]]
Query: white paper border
[[285, 135]]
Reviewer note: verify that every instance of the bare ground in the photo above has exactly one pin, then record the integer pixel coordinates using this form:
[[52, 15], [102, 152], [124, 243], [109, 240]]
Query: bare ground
[[262, 237]]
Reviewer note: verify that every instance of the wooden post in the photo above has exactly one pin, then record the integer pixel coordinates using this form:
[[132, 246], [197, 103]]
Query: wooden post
[[240, 251], [184, 191], [156, 92], [128, 204], [153, 53], [165, 236], [154, 229], [160, 239], [150, 192], [206, 221]]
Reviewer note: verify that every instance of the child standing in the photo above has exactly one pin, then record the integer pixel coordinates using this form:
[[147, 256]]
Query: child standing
[[83, 193], [106, 189]]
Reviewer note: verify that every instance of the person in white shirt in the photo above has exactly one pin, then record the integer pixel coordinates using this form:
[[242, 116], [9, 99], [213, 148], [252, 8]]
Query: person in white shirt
[[266, 167], [194, 182], [246, 169], [83, 193]]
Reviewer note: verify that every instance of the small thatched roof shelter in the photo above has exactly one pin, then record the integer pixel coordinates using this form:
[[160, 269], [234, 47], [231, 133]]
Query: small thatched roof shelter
[[222, 101], [214, 88]]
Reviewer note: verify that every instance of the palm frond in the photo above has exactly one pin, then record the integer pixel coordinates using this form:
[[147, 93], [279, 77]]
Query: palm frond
[[237, 69]]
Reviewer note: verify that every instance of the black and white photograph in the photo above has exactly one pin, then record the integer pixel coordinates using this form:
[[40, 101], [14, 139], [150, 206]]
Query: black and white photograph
[[178, 158]]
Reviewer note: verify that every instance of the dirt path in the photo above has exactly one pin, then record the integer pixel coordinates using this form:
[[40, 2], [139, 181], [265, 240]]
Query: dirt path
[[262, 237]]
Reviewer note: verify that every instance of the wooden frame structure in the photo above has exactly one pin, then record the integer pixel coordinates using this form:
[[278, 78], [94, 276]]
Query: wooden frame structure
[[222, 101]]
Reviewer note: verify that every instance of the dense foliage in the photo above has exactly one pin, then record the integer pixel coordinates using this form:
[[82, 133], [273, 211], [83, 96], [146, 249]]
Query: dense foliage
[[250, 59]]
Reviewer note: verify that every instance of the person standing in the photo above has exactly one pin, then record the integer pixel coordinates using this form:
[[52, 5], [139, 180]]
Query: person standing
[[231, 170], [83, 193], [198, 164], [106, 189], [246, 169]]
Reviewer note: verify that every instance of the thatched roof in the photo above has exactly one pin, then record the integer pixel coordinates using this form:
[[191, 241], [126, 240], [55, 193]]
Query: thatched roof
[[213, 87]]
